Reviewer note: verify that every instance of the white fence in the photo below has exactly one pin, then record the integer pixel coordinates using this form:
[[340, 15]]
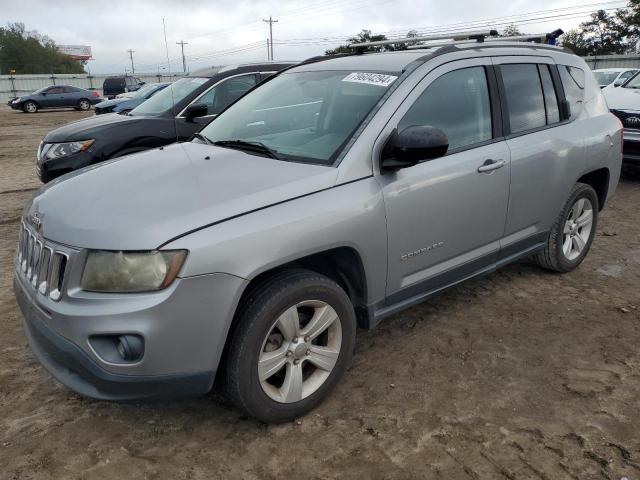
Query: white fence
[[16, 85]]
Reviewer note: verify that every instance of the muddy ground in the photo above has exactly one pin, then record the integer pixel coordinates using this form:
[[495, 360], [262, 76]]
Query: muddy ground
[[521, 374]]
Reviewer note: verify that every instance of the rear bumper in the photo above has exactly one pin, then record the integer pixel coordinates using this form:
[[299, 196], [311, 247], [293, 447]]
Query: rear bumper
[[182, 345]]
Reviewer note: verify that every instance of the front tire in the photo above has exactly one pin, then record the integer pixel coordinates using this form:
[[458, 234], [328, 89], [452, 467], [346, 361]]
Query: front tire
[[30, 107], [573, 233], [84, 104], [294, 341]]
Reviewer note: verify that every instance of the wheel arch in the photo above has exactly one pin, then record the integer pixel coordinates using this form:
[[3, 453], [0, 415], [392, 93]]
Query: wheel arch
[[342, 264], [599, 180]]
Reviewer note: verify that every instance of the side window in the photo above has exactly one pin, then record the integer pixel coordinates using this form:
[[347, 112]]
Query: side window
[[573, 83], [525, 101], [207, 99], [53, 90], [550, 98], [458, 104], [230, 90]]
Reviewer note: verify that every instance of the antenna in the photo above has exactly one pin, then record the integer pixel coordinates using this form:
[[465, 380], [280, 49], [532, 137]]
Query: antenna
[[173, 100]]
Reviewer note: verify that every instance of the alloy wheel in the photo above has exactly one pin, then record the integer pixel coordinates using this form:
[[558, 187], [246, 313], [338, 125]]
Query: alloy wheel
[[577, 229], [300, 351]]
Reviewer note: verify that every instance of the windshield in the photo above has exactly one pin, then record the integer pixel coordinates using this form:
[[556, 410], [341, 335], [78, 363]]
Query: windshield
[[605, 78], [302, 116], [167, 97], [634, 82], [40, 90], [143, 91]]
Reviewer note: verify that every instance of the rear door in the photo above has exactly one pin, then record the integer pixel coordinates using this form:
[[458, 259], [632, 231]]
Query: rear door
[[544, 148], [445, 217], [69, 97]]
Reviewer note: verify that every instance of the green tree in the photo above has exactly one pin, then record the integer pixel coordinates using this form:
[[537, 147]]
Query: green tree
[[601, 34], [575, 41], [511, 31], [365, 36], [628, 23], [29, 52]]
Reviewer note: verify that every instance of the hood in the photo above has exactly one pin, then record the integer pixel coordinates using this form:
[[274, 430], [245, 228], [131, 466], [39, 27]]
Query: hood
[[111, 103], [140, 201], [620, 98], [83, 129]]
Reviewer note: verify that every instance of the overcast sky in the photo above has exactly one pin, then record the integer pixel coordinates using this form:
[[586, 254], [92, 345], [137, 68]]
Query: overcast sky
[[225, 31]]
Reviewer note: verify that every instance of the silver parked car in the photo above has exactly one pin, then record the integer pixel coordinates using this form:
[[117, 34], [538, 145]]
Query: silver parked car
[[337, 193]]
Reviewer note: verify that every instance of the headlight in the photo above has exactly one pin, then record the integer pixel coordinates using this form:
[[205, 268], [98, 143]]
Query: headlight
[[57, 150], [127, 272], [17, 100]]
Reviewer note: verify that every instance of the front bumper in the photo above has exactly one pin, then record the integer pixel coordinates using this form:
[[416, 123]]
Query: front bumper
[[57, 167], [184, 329], [631, 146]]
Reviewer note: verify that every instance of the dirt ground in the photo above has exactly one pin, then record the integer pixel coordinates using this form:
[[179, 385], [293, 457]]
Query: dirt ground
[[521, 374]]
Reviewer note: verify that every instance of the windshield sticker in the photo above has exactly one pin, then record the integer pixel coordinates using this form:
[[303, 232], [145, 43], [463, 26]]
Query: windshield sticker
[[379, 79], [198, 81]]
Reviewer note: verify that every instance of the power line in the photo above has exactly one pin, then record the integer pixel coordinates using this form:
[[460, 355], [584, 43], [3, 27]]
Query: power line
[[182, 43], [271, 21]]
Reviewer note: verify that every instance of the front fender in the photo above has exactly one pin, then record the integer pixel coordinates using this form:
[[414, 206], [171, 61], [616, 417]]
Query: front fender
[[349, 215]]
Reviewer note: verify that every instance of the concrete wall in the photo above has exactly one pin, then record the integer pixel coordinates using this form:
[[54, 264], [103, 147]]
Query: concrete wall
[[16, 85], [631, 60]]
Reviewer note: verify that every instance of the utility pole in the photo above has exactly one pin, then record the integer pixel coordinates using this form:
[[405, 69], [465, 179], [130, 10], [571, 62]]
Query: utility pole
[[268, 54], [131, 56], [184, 62], [271, 21]]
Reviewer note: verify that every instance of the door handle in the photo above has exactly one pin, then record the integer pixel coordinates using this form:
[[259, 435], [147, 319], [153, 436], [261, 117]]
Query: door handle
[[491, 165]]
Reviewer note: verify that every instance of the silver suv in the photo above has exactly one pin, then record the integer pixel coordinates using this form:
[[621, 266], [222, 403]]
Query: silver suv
[[339, 192]]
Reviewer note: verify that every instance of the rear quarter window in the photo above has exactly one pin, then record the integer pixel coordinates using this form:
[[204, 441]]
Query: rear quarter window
[[573, 82]]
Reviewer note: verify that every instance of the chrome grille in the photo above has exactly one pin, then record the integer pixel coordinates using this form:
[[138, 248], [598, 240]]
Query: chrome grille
[[42, 265]]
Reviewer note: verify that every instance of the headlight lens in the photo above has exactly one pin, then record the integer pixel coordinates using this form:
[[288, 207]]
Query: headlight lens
[[57, 150], [17, 100], [128, 272]]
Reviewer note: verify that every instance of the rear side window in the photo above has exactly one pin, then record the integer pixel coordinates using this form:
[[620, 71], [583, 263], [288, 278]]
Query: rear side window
[[114, 82], [573, 84], [550, 98], [525, 100], [458, 104]]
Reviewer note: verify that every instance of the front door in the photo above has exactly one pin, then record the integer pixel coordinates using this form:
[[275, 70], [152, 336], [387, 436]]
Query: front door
[[445, 217]]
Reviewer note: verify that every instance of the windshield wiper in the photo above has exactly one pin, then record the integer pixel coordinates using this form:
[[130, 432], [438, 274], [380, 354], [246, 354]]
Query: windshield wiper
[[199, 136], [256, 147]]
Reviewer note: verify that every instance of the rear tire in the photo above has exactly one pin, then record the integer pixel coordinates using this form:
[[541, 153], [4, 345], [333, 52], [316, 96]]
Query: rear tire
[[84, 104], [293, 342], [573, 232], [30, 107]]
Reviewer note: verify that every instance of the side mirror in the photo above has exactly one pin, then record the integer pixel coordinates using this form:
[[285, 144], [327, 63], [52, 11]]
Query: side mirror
[[196, 110], [44, 94], [413, 145], [565, 109]]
